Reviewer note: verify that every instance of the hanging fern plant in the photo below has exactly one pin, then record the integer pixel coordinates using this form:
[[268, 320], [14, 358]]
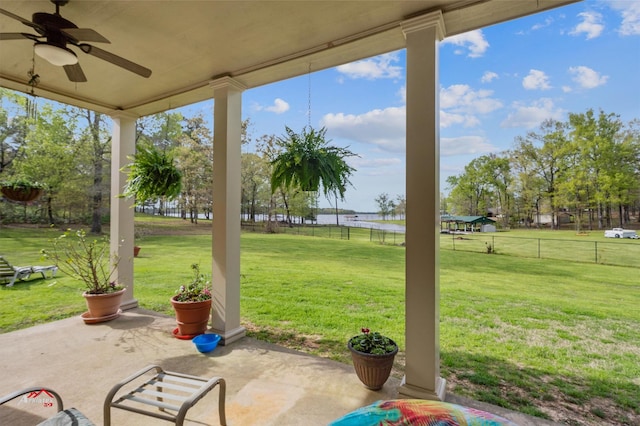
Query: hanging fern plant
[[152, 175]]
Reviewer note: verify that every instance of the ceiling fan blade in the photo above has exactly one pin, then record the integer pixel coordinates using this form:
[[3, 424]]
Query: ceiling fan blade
[[116, 60], [17, 36], [84, 34], [24, 21], [75, 73]]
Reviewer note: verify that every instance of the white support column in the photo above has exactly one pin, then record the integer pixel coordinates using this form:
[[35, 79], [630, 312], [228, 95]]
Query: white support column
[[227, 124], [422, 372], [123, 145]]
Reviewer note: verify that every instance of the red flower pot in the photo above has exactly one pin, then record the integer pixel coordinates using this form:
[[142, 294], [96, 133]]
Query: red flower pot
[[192, 317]]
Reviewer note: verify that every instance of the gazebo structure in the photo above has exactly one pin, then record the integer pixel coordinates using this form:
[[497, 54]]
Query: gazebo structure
[[199, 50], [464, 223]]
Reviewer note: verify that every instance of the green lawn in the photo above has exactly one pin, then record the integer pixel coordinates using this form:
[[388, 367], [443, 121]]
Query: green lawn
[[549, 338]]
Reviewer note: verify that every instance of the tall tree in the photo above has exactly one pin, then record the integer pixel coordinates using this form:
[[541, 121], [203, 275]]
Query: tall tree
[[496, 172], [56, 159], [195, 159], [603, 160], [528, 188], [401, 205], [471, 191], [255, 183], [98, 141], [547, 151], [385, 205], [14, 121]]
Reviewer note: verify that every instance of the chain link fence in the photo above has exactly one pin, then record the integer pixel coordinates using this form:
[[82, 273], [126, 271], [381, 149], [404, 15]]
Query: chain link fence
[[332, 231], [615, 252], [618, 252]]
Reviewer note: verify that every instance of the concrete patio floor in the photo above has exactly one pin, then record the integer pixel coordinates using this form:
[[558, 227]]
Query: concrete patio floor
[[266, 384]]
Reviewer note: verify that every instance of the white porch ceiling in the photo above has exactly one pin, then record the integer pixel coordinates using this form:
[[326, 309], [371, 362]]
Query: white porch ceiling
[[188, 44]]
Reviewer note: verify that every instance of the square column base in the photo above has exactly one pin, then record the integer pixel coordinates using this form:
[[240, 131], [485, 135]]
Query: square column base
[[231, 335], [129, 304], [413, 392]]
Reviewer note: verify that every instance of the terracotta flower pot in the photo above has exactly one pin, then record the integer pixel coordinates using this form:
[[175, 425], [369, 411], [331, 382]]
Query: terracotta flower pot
[[372, 370], [103, 307], [192, 317], [136, 251]]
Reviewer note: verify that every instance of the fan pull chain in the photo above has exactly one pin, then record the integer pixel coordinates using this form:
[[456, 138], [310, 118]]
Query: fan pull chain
[[309, 98], [31, 105]]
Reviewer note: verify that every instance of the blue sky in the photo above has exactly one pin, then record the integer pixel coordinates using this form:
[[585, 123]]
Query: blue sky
[[495, 84]]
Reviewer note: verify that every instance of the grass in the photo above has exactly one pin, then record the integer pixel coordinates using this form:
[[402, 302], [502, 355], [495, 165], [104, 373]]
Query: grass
[[553, 339]]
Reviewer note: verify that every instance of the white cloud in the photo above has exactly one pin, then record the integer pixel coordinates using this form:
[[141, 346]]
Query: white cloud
[[630, 11], [449, 119], [402, 93], [587, 78], [384, 128], [530, 116], [460, 104], [279, 106], [474, 41], [566, 89], [465, 145], [373, 68], [364, 163], [546, 23], [488, 76], [536, 80], [591, 25]]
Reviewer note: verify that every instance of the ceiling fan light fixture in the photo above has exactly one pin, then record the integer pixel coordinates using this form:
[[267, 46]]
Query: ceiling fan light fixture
[[56, 55]]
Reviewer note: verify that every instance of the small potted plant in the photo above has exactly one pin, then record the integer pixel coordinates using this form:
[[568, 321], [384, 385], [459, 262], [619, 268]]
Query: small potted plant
[[192, 304], [372, 355], [21, 190], [88, 260]]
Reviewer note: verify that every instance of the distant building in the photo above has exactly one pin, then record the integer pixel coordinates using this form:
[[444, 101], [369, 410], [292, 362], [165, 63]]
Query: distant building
[[449, 223]]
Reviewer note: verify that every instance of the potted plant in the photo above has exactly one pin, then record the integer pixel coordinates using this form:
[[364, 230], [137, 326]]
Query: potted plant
[[21, 190], [152, 175], [88, 260], [372, 355], [192, 305]]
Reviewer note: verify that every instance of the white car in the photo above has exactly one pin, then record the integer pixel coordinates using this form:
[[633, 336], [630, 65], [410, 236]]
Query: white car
[[621, 233]]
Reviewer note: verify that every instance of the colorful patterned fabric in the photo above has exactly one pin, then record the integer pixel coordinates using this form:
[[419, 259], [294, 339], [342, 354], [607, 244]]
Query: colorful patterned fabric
[[418, 412]]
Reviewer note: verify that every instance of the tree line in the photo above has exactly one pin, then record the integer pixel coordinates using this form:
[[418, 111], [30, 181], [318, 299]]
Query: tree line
[[388, 208], [66, 150], [585, 170]]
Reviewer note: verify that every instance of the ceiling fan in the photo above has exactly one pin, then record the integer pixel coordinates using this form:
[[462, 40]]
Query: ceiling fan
[[55, 32]]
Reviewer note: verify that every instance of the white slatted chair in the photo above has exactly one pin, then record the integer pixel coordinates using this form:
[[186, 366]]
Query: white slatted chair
[[12, 273]]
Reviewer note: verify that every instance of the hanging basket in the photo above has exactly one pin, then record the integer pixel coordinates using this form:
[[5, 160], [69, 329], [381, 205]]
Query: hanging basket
[[21, 194]]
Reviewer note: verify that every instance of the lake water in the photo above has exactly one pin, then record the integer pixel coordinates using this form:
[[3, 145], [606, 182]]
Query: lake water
[[360, 220]]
